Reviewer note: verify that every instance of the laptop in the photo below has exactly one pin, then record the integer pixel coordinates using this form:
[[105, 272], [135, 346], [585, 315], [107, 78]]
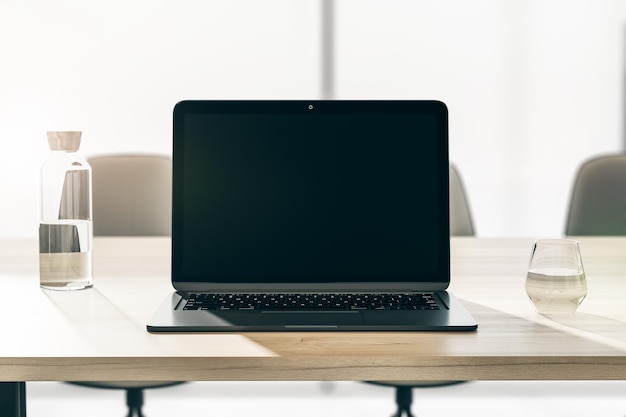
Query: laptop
[[310, 216]]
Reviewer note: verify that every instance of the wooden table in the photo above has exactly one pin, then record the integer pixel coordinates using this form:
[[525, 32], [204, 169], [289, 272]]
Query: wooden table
[[100, 334]]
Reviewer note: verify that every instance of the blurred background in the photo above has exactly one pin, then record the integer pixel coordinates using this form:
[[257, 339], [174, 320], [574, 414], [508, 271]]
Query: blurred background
[[534, 87]]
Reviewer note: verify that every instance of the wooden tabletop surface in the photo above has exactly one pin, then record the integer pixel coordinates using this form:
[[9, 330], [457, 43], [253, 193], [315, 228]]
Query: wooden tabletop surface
[[100, 333]]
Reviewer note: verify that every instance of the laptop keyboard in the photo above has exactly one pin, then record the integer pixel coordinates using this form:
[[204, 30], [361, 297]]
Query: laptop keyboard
[[308, 301]]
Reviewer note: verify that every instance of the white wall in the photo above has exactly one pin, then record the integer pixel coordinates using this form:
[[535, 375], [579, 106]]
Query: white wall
[[533, 86]]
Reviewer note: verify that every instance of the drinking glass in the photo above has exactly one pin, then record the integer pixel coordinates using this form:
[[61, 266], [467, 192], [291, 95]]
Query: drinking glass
[[556, 280]]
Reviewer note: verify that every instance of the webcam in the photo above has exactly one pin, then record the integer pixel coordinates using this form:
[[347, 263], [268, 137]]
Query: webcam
[[310, 107]]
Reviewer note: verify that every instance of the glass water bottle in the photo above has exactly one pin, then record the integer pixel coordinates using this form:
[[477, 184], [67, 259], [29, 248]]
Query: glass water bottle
[[65, 227]]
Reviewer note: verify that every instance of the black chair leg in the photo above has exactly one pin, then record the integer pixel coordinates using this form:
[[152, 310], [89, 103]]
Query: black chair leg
[[404, 399], [134, 400]]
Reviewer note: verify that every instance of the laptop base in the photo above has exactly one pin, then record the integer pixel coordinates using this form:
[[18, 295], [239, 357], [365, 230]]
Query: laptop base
[[169, 318]]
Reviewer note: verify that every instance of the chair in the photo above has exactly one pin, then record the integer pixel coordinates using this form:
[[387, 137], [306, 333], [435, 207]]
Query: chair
[[131, 197], [461, 224], [598, 200]]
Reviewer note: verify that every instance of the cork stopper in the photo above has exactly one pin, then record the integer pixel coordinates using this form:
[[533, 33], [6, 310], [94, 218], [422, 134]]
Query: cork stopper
[[64, 141]]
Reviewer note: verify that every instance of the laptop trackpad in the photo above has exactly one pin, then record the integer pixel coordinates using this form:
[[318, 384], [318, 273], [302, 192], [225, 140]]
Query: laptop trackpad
[[311, 319]]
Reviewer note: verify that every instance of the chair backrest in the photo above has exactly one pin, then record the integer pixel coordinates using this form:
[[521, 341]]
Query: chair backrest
[[132, 195], [461, 223], [598, 201]]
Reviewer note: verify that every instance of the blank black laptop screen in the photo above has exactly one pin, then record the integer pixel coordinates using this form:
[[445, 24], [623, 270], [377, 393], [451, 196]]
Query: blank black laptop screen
[[310, 192]]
